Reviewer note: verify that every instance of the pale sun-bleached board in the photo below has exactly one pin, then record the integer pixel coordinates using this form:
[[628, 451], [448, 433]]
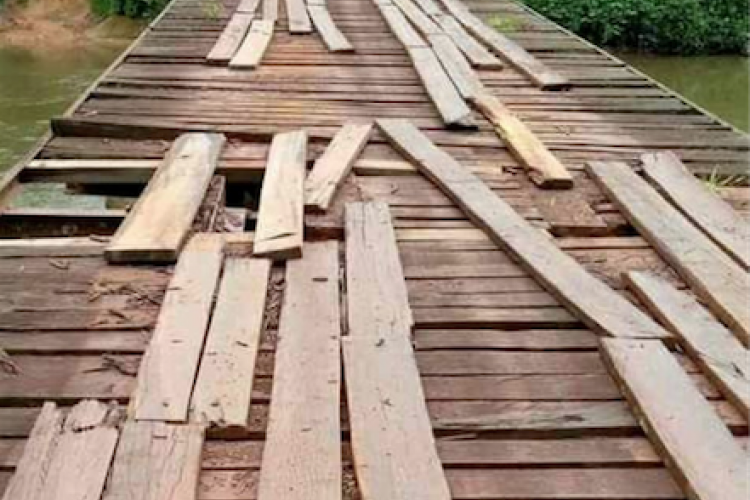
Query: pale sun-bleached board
[[247, 6], [334, 39], [230, 39], [251, 52], [299, 21], [477, 54], [593, 302], [270, 10], [158, 225], [455, 64], [302, 454]]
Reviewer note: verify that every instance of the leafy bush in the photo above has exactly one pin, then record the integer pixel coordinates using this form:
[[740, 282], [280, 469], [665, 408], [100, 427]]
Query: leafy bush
[[662, 26], [129, 8]]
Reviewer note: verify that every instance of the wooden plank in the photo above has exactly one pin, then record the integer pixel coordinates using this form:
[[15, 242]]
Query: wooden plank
[[168, 370], [297, 18], [279, 230], [455, 64], [334, 39], [475, 52], [251, 52], [695, 443], [705, 209], [223, 389], [302, 454], [711, 273], [593, 302], [158, 225], [421, 22], [230, 39], [247, 7], [270, 10], [156, 460], [51, 247], [721, 356], [543, 167], [400, 27], [332, 167]]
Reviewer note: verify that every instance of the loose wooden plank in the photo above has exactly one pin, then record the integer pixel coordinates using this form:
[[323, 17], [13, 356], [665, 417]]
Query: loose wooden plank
[[302, 454], [705, 209], [224, 386], [543, 167], [247, 6], [711, 273], [593, 302], [279, 231], [719, 353], [51, 247], [230, 39], [270, 10], [334, 165], [458, 68], [400, 27], [475, 52], [299, 21], [693, 440], [334, 39], [251, 52], [158, 225], [168, 370], [156, 461]]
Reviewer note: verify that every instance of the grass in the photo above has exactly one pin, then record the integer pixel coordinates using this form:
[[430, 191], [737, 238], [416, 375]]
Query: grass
[[212, 9], [505, 23], [716, 181]]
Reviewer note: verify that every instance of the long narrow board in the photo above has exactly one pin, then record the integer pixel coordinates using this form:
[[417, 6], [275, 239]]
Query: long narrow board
[[230, 39], [593, 302], [721, 356], [334, 165], [705, 209], [418, 19], [156, 460], [158, 225], [544, 169], [223, 389], [695, 443], [334, 39], [279, 230], [247, 6], [299, 21], [302, 454], [475, 52], [393, 447], [400, 27], [458, 68], [270, 10], [251, 52], [710, 272], [169, 367]]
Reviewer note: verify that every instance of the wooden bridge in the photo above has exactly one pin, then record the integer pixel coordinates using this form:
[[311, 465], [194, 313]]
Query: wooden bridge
[[384, 252]]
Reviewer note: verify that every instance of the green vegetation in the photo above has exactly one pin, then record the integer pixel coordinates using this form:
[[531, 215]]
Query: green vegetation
[[716, 181], [660, 26], [505, 23], [129, 8]]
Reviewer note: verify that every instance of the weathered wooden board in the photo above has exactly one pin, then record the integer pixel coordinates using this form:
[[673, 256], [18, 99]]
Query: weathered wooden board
[[251, 52], [302, 455], [299, 21], [247, 6], [270, 10], [279, 231], [158, 225], [51, 247], [230, 39], [400, 26], [458, 68], [332, 36], [475, 52]]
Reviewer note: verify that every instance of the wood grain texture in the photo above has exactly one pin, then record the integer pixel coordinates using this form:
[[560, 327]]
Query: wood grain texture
[[230, 39], [299, 21], [324, 24], [474, 51], [458, 68], [258, 38]]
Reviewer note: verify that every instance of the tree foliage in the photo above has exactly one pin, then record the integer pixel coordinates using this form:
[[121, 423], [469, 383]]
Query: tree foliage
[[129, 8]]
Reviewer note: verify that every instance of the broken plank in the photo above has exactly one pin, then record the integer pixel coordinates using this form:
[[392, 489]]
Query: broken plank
[[297, 18], [279, 230], [334, 165], [302, 454], [230, 39], [251, 52], [713, 275], [593, 302], [334, 39], [475, 52], [695, 443], [168, 370], [159, 223]]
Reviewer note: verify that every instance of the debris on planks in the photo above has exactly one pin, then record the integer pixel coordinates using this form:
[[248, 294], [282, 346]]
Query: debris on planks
[[330, 170], [169, 367], [280, 227], [714, 276], [230, 39], [158, 225], [156, 460], [251, 52], [297, 18], [334, 39], [593, 302], [723, 358], [67, 457], [694, 442], [305, 407], [224, 385], [474, 51], [543, 167], [206, 220], [393, 448], [705, 209]]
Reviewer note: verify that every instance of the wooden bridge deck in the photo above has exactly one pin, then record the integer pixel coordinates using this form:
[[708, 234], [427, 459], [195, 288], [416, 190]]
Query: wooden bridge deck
[[521, 403]]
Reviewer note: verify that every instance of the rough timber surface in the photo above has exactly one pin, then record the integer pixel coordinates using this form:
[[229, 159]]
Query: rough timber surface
[[520, 402]]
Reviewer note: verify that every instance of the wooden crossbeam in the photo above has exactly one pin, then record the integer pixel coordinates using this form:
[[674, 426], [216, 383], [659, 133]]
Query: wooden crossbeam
[[251, 52], [230, 39]]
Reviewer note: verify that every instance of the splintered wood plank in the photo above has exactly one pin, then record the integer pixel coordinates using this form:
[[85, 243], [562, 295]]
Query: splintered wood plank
[[158, 225], [712, 274], [299, 21], [230, 39], [593, 302], [334, 165], [721, 356], [458, 68], [705, 209], [168, 370], [475, 52], [279, 231], [695, 443], [334, 39], [302, 454], [544, 169], [224, 386], [156, 461], [393, 447], [255, 44]]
